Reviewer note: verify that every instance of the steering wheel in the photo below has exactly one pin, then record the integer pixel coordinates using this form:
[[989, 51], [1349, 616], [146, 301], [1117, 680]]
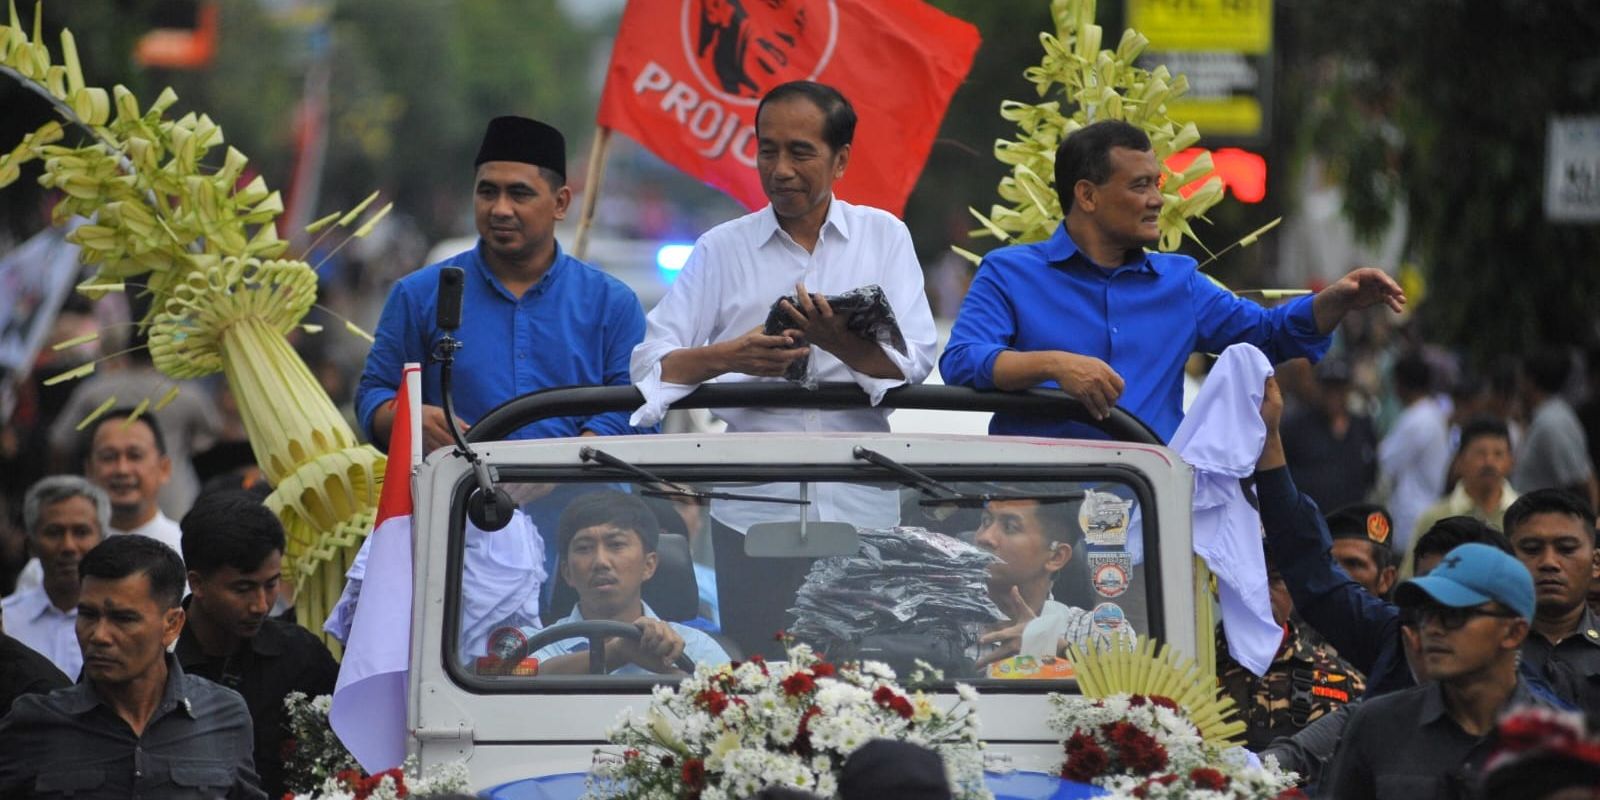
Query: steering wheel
[[597, 631]]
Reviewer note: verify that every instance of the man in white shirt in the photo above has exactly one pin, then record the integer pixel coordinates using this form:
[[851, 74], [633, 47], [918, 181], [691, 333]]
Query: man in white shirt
[[129, 461], [1415, 455], [127, 457], [806, 244], [1033, 541], [608, 551], [65, 516]]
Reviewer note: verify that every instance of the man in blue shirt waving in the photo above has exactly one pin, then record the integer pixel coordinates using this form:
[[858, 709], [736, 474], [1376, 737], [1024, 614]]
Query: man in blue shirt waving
[[1090, 311], [533, 317]]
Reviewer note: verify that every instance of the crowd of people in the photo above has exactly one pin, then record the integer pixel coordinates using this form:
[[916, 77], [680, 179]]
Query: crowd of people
[[1451, 581]]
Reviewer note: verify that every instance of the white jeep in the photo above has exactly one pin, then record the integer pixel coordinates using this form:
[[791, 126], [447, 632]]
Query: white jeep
[[791, 500]]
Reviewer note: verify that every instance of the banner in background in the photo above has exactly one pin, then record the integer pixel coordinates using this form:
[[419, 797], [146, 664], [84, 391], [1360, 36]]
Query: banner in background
[[686, 76]]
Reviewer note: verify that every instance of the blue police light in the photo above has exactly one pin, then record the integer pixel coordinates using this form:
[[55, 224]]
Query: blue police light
[[671, 258]]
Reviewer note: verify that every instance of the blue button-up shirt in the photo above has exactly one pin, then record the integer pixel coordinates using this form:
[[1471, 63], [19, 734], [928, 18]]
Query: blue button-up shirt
[[1143, 318], [575, 327]]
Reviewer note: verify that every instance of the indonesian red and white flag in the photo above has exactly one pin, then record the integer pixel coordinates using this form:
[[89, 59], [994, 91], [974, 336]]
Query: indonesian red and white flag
[[369, 701], [686, 77]]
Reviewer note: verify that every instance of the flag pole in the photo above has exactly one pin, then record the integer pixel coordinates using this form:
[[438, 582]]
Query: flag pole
[[591, 189]]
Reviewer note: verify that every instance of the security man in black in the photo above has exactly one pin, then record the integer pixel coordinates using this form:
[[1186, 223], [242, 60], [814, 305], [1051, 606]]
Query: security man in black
[[135, 725], [233, 547], [1552, 533]]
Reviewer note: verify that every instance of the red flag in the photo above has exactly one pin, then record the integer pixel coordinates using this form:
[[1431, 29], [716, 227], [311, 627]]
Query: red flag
[[686, 76]]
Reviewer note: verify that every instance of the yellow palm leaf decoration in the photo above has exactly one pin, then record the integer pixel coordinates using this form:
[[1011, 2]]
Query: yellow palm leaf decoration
[[1146, 670], [224, 296]]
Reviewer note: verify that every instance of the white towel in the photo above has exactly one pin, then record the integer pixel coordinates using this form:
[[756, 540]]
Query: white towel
[[1221, 437]]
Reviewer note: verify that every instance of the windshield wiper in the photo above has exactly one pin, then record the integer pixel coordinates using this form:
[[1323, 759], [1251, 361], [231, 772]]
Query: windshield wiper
[[671, 489], [935, 493]]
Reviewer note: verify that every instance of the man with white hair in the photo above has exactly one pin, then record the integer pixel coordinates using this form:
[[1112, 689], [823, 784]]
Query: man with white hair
[[65, 516]]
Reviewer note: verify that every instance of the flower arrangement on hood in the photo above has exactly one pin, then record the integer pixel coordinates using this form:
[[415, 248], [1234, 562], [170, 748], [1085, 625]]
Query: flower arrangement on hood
[[317, 766], [730, 730], [1145, 746], [406, 780]]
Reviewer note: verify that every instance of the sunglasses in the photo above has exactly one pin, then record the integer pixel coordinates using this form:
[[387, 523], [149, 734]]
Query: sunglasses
[[1448, 617]]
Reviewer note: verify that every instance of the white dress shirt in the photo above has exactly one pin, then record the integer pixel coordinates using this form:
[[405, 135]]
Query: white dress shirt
[[32, 620], [735, 273], [740, 268], [1412, 461]]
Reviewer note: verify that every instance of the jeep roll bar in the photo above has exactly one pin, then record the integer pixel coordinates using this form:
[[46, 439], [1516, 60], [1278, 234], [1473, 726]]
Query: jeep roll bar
[[570, 401]]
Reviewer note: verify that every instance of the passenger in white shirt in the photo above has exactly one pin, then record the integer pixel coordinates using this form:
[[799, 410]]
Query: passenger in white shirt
[[806, 243], [1415, 455], [128, 460], [65, 516], [1033, 542]]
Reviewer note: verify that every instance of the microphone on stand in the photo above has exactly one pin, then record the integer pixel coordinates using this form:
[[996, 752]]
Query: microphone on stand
[[489, 507]]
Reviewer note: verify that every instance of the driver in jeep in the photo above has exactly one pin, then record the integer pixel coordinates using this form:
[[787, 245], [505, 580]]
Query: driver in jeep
[[608, 550], [1033, 541]]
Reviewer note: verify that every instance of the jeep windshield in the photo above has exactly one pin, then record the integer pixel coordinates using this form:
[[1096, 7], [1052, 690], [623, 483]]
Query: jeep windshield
[[624, 565]]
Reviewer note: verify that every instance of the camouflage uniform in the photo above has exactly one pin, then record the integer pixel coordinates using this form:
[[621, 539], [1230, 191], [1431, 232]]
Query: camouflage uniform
[[1303, 683]]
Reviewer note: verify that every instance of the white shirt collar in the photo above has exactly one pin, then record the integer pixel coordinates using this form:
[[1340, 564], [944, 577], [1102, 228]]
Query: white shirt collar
[[767, 223]]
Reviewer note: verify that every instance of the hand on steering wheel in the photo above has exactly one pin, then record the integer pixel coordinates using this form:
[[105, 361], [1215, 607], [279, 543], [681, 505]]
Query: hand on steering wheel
[[597, 631]]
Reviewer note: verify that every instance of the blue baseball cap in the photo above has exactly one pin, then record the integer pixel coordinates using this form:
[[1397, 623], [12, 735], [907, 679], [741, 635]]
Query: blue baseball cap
[[1471, 575]]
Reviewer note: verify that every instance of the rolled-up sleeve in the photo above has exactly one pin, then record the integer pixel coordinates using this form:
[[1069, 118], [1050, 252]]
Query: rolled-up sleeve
[[985, 327], [682, 319], [1284, 332], [395, 342], [903, 288]]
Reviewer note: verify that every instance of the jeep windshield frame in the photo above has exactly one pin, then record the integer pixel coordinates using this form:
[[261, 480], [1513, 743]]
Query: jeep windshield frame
[[513, 415]]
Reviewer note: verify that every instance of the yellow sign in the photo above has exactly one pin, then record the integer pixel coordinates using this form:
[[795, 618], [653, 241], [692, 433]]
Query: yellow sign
[[1226, 116], [1241, 26]]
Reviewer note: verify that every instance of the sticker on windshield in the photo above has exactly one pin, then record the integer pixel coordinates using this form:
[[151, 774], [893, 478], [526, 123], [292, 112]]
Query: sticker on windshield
[[1110, 573], [1108, 618], [1104, 518]]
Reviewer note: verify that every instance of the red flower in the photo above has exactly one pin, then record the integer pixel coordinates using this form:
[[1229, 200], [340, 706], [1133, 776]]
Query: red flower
[[1135, 701], [798, 683], [1086, 759], [286, 749], [630, 754], [1165, 702], [802, 740], [1144, 756], [1137, 750], [1208, 778], [822, 669], [694, 773], [1291, 793], [666, 762], [712, 701], [882, 696], [1143, 789], [902, 706]]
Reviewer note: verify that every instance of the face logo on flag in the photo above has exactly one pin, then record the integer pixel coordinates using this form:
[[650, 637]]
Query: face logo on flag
[[740, 49]]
